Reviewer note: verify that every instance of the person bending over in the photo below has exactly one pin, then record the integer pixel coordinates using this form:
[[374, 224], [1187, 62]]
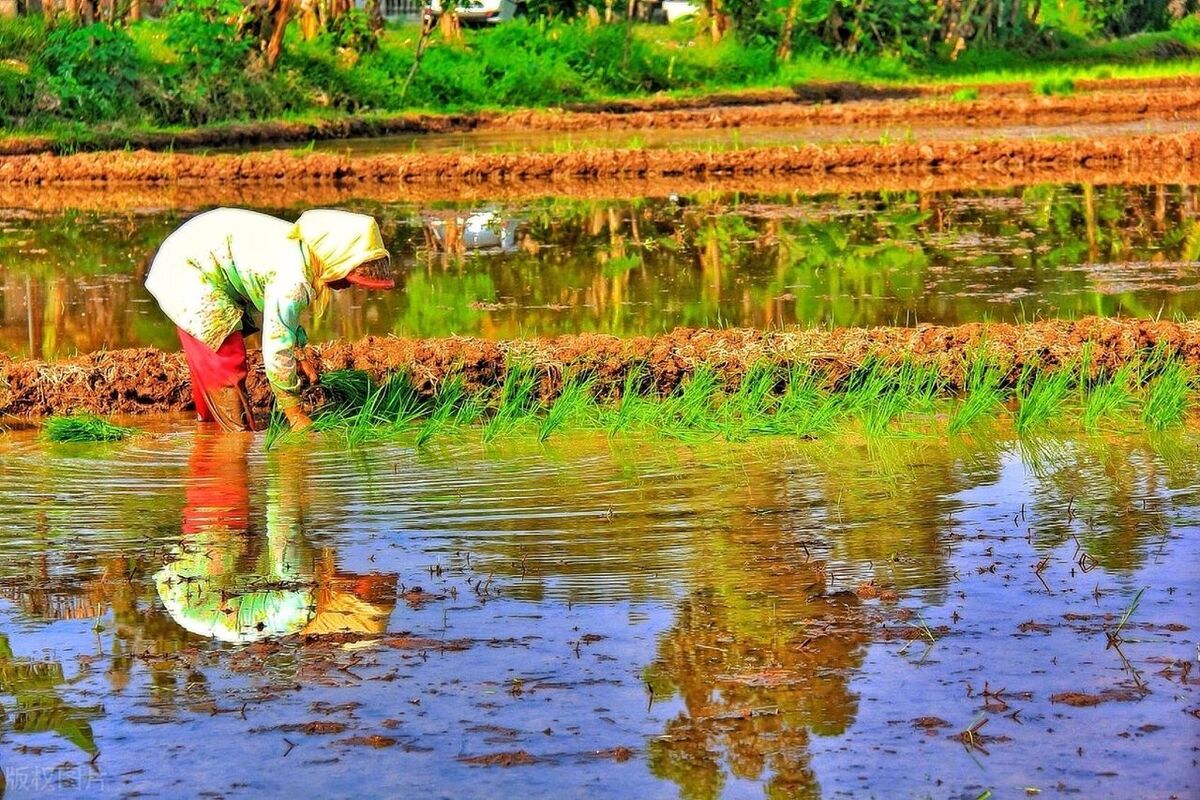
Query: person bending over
[[228, 272]]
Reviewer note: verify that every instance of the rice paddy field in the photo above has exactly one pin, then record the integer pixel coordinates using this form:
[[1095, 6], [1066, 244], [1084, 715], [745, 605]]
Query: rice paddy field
[[732, 490]]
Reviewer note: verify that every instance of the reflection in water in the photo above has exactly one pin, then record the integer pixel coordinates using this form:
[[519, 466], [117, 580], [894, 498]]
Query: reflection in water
[[73, 282], [702, 606], [225, 581], [39, 708]]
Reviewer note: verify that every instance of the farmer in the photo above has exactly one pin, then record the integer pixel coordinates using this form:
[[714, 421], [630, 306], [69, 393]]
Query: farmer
[[229, 272]]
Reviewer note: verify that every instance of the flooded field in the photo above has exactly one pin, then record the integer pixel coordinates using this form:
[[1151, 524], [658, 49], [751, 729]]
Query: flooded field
[[191, 614], [73, 282]]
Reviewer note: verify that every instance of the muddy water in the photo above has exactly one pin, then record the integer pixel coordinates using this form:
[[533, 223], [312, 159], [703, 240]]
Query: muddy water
[[73, 282], [619, 618]]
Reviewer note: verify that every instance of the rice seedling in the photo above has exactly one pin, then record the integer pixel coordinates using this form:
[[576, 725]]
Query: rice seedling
[[804, 402], [1041, 396], [1110, 397], [85, 428], [360, 411], [690, 407], [1168, 395], [807, 407], [630, 404], [573, 404], [518, 401], [446, 407], [348, 388], [748, 410], [909, 388], [878, 392], [277, 428], [1114, 636], [983, 394]]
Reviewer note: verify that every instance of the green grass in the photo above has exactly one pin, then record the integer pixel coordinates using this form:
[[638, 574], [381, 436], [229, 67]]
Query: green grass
[[85, 428], [166, 74], [1054, 85], [879, 398]]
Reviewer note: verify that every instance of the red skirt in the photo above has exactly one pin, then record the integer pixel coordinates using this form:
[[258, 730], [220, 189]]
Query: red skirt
[[219, 380]]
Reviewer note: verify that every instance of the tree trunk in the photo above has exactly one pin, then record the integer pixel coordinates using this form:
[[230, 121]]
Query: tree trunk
[[375, 14], [135, 10], [283, 11], [784, 52]]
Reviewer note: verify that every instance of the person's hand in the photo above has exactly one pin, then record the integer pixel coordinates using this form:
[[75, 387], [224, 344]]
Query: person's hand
[[297, 419], [308, 368]]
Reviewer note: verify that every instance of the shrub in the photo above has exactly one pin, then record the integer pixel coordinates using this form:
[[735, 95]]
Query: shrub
[[94, 70], [18, 93]]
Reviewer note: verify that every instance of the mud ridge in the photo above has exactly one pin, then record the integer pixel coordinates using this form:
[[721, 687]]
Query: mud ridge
[[1013, 157], [147, 380], [124, 198]]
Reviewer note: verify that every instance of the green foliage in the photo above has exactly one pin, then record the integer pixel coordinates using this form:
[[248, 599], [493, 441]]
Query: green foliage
[[85, 428], [94, 71], [965, 95], [1123, 17], [199, 62]]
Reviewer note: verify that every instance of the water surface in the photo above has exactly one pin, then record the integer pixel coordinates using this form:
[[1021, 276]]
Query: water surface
[[73, 282], [184, 613]]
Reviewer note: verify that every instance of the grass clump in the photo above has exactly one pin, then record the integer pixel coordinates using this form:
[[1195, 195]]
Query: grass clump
[[1054, 85], [85, 428], [966, 95]]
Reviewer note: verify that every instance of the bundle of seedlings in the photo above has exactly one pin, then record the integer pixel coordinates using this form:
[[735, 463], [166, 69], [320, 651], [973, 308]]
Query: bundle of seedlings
[[85, 428]]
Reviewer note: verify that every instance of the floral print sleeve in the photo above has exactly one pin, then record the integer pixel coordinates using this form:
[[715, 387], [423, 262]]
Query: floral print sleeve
[[281, 335]]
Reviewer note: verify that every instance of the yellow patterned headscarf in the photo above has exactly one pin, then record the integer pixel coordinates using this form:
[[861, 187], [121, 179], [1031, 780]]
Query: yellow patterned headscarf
[[334, 243]]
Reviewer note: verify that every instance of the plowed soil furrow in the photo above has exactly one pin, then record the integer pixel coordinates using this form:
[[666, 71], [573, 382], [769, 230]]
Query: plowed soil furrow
[[146, 380], [1013, 157]]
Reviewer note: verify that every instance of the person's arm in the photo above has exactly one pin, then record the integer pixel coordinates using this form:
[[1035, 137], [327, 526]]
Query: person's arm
[[282, 307]]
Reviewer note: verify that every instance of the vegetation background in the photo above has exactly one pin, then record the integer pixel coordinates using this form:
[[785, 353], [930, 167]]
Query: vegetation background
[[75, 67]]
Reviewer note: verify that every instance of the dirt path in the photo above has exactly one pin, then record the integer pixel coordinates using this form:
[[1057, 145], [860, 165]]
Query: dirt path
[[146, 380], [1095, 102]]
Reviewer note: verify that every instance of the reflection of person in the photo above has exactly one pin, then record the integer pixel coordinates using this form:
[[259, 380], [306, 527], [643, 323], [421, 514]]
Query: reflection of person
[[228, 271], [229, 583]]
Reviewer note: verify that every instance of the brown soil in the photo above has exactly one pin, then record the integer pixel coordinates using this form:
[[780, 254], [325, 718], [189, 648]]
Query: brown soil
[[375, 741], [1084, 699], [563, 169], [513, 759], [147, 380], [813, 104]]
